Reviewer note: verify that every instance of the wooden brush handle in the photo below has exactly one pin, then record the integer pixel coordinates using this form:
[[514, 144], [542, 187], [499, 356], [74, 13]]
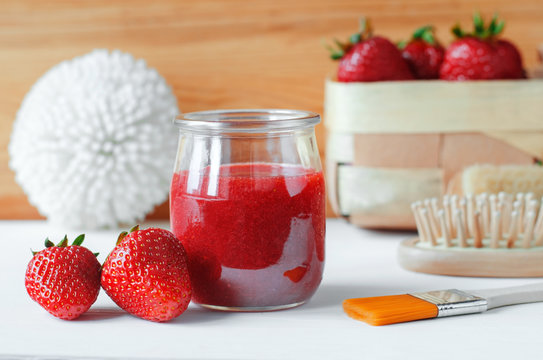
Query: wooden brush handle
[[511, 295]]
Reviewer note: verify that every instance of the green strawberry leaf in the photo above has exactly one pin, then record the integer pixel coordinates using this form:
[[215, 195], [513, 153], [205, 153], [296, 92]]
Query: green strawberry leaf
[[428, 37], [79, 240], [498, 28], [494, 28], [419, 33], [48, 243], [492, 25], [457, 31], [134, 228], [478, 23], [337, 55], [425, 33], [355, 38]]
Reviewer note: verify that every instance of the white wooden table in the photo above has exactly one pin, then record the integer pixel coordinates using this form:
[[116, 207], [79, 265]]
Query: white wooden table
[[359, 263]]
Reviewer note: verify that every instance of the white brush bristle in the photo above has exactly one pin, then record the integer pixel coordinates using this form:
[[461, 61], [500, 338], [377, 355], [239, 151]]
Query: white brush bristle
[[481, 221]]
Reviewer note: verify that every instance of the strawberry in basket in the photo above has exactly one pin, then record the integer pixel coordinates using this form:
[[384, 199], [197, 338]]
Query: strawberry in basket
[[481, 55], [423, 53], [366, 57]]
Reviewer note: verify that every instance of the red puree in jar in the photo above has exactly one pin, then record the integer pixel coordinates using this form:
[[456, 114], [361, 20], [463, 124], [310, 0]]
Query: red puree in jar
[[254, 233]]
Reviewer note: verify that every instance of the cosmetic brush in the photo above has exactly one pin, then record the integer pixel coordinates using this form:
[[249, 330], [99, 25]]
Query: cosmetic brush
[[384, 310]]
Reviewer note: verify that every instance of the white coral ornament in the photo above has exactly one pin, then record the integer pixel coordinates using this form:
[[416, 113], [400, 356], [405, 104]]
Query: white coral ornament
[[93, 144]]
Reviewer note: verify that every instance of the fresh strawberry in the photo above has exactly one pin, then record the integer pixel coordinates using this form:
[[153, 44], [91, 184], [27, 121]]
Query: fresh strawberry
[[369, 58], [146, 274], [481, 55], [64, 280], [423, 53], [512, 60]]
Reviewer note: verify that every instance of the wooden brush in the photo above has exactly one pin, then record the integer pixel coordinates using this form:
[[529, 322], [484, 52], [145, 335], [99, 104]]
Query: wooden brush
[[385, 310], [497, 235]]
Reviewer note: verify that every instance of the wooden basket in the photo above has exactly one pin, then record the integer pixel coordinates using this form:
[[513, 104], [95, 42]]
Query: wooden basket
[[392, 143]]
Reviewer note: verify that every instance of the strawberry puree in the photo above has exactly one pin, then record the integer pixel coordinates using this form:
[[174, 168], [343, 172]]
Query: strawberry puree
[[254, 233]]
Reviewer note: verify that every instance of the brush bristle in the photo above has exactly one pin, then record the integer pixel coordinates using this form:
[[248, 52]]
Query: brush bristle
[[482, 221], [384, 310]]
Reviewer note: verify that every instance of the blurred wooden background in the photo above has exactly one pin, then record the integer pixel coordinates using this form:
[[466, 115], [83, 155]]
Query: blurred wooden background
[[218, 53]]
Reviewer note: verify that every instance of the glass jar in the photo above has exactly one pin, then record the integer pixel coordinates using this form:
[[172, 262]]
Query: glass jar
[[247, 201]]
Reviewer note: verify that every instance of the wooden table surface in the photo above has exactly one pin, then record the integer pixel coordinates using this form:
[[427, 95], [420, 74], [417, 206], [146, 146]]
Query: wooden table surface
[[218, 54]]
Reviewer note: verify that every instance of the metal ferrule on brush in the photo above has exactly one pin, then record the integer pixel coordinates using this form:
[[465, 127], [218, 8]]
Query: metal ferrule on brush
[[453, 302]]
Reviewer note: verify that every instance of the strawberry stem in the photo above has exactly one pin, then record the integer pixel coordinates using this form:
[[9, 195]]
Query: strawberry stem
[[458, 32], [420, 31], [335, 54], [341, 48], [478, 23], [339, 44], [366, 29], [63, 242], [121, 237], [496, 27], [480, 30], [425, 33], [355, 38]]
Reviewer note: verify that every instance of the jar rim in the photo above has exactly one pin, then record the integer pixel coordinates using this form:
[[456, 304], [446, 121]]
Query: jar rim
[[247, 120]]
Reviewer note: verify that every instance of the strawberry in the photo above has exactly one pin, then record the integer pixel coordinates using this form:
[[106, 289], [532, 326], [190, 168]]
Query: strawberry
[[423, 53], [369, 58], [481, 55], [146, 274], [512, 60], [64, 280]]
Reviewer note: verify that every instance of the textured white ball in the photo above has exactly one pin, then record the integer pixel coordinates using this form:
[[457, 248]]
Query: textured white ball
[[93, 144]]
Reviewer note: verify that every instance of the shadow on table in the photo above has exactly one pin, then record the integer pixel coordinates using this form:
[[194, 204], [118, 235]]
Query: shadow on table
[[104, 313], [333, 295], [190, 316], [194, 315], [390, 232]]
